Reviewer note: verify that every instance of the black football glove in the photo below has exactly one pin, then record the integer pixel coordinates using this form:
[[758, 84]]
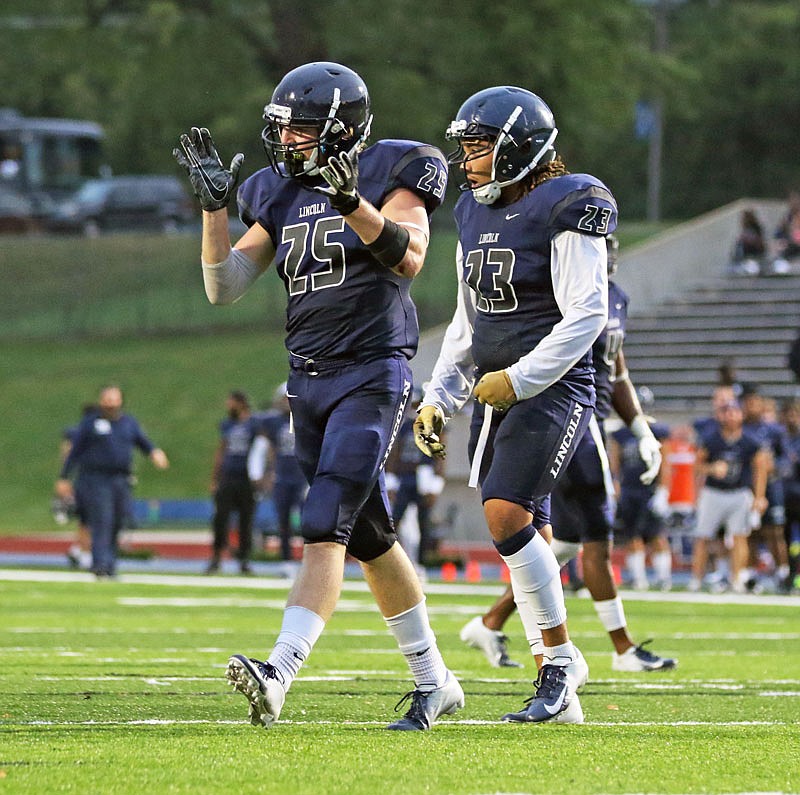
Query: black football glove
[[341, 174], [212, 183]]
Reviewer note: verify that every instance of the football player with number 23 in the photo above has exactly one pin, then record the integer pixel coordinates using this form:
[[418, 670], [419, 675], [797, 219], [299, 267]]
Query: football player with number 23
[[532, 299]]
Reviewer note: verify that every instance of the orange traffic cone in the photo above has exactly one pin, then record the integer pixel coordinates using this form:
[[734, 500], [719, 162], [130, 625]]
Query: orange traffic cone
[[449, 572], [473, 571]]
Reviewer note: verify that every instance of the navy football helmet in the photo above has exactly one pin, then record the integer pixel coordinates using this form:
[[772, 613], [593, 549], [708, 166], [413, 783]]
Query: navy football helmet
[[519, 129], [612, 249], [330, 100]]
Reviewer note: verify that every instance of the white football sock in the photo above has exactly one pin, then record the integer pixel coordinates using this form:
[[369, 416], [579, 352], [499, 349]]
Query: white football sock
[[300, 630], [414, 636], [563, 654], [662, 565], [636, 566]]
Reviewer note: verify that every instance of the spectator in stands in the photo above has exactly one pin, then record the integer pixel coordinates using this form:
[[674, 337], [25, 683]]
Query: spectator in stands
[[103, 449], [791, 485], [787, 237], [793, 359], [750, 247], [733, 466], [230, 482]]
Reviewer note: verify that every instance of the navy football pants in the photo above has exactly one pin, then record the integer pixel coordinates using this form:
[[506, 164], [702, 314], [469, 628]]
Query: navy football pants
[[345, 421]]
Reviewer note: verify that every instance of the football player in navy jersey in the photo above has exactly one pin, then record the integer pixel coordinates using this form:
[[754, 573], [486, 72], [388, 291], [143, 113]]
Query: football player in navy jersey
[[230, 485], [582, 500], [532, 299], [771, 529], [734, 466], [288, 484], [347, 228]]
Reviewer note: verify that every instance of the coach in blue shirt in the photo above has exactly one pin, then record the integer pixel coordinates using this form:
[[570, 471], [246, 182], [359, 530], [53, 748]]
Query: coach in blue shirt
[[103, 447]]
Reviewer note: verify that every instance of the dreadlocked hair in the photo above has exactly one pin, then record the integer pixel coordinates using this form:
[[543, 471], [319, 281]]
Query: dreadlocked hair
[[555, 168]]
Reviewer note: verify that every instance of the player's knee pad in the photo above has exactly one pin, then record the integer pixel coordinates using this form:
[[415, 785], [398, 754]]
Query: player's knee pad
[[564, 551], [321, 513]]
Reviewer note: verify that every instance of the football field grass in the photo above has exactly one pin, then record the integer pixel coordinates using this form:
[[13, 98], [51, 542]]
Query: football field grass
[[118, 687]]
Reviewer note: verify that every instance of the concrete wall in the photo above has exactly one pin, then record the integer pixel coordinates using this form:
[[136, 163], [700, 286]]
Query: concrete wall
[[671, 262]]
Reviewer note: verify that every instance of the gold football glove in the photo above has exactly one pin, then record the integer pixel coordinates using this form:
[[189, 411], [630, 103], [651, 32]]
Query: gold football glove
[[427, 429], [496, 390]]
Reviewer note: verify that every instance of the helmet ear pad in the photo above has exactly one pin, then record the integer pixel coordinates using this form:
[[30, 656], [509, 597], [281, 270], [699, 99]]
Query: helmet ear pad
[[512, 158]]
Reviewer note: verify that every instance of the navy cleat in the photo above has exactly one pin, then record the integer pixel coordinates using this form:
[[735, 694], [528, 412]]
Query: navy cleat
[[637, 659], [427, 706], [550, 700], [261, 684]]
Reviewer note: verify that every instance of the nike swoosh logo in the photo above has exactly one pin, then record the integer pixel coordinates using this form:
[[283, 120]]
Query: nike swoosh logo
[[216, 192], [556, 708], [290, 396], [511, 215]]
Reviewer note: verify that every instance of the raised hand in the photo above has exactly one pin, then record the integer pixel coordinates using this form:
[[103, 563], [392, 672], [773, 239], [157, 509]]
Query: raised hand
[[212, 183]]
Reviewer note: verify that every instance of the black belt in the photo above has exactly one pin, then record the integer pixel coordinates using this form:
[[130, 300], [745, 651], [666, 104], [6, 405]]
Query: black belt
[[317, 366]]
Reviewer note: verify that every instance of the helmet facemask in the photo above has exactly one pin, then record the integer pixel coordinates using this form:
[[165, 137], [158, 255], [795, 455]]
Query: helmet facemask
[[333, 136]]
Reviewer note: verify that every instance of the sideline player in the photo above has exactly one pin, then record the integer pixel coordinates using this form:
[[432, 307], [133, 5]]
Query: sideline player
[[230, 485], [532, 299], [733, 467], [642, 508], [581, 501], [103, 451], [347, 227]]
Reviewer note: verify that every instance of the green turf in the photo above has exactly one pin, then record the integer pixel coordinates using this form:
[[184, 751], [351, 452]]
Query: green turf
[[116, 687]]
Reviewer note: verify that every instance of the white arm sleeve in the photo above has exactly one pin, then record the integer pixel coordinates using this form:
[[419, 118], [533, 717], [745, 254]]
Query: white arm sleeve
[[453, 375], [578, 266], [257, 458], [229, 280]]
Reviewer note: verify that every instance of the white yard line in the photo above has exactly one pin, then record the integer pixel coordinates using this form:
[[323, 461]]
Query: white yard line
[[359, 586], [443, 723]]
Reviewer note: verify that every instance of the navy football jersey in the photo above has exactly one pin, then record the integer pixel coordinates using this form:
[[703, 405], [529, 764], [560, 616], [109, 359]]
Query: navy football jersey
[[631, 462], [237, 437], [506, 262], [737, 455], [772, 436], [606, 348], [341, 301]]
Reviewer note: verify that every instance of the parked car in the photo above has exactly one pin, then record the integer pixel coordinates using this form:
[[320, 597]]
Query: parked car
[[16, 212], [129, 202]]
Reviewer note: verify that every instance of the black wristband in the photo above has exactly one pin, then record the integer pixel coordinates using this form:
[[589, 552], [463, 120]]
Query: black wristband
[[391, 245]]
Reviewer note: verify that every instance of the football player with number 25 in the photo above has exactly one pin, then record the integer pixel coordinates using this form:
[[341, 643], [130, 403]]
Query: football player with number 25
[[532, 298], [347, 227]]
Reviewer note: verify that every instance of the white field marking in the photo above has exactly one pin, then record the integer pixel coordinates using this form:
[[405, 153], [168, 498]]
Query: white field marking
[[779, 693], [343, 605], [123, 678], [114, 630], [698, 635], [446, 722], [358, 585]]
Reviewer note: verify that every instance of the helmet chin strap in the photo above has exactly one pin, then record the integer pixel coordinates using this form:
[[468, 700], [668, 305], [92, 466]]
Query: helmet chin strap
[[488, 193]]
